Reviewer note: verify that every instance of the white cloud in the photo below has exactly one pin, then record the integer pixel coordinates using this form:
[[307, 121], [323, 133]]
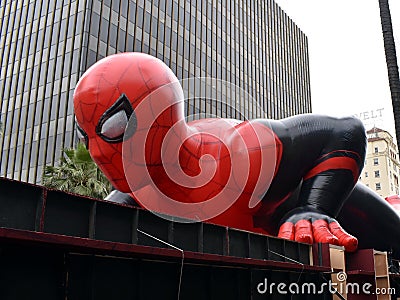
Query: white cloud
[[347, 60]]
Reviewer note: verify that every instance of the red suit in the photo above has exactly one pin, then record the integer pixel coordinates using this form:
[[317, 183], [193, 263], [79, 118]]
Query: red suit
[[289, 177]]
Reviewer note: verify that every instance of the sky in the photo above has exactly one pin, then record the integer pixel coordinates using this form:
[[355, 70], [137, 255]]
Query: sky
[[348, 73]]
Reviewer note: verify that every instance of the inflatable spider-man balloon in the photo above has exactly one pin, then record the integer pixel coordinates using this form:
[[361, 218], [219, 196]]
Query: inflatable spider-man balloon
[[295, 178]]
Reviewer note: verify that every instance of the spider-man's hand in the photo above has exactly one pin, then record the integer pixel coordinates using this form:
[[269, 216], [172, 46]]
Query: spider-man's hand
[[308, 225]]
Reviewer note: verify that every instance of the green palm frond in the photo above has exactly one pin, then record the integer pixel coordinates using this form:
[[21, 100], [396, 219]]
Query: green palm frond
[[77, 173], [82, 154]]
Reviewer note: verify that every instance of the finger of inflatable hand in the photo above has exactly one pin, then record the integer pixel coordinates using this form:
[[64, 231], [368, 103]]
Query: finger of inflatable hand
[[322, 234], [349, 242], [286, 231], [303, 232]]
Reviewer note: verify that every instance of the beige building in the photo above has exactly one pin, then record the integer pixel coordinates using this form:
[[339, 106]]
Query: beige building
[[382, 167]]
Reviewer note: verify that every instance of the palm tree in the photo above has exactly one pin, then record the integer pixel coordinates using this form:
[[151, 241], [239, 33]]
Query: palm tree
[[77, 173], [391, 61]]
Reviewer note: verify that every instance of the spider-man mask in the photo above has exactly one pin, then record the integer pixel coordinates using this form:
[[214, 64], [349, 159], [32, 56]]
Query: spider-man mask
[[105, 100]]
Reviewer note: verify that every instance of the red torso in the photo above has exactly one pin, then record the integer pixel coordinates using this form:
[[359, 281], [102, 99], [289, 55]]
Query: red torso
[[225, 168]]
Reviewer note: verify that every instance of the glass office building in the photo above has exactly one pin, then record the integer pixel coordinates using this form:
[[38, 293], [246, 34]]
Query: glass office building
[[45, 46]]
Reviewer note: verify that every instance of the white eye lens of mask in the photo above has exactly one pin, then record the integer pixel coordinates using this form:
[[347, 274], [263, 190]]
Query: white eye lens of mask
[[114, 126]]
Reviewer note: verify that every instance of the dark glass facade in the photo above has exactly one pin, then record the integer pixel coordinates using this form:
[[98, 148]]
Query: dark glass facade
[[45, 47]]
